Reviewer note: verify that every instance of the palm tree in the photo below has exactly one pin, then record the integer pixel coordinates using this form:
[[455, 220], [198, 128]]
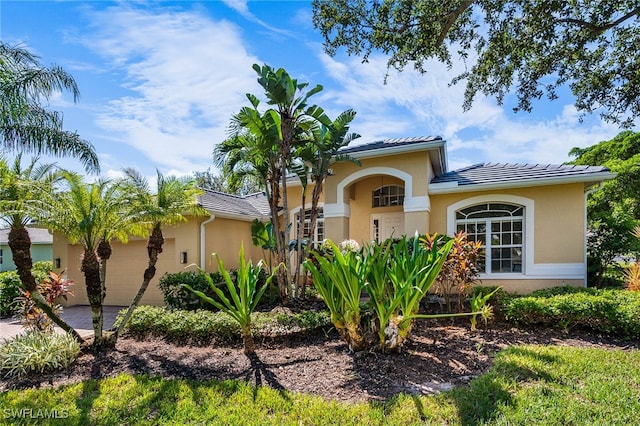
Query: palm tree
[[327, 142], [17, 186], [173, 201], [251, 153], [92, 215], [278, 131], [25, 125]]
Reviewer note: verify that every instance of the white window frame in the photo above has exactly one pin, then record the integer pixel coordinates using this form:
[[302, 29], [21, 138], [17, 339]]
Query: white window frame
[[488, 221], [293, 219], [394, 193], [528, 267]]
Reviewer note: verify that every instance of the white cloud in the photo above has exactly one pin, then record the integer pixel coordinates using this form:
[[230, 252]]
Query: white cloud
[[411, 104], [186, 75]]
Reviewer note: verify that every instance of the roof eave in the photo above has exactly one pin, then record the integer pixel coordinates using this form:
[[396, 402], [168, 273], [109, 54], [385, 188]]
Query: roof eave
[[237, 216], [453, 187], [398, 149]]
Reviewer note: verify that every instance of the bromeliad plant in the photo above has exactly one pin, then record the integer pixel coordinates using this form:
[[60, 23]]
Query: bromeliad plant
[[245, 294]]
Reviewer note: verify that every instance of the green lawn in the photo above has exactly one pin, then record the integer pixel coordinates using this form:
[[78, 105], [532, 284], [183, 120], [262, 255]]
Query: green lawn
[[551, 385]]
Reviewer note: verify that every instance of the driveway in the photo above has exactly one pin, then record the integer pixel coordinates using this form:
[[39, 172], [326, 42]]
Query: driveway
[[78, 317]]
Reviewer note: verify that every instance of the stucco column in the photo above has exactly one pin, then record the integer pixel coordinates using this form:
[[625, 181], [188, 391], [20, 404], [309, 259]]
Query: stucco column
[[336, 221], [416, 221], [416, 215]]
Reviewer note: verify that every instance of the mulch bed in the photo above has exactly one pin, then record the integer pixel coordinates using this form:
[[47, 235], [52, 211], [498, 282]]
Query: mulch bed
[[438, 356]]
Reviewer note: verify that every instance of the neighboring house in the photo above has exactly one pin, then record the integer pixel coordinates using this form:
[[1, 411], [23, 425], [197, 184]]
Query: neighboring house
[[531, 218], [41, 247]]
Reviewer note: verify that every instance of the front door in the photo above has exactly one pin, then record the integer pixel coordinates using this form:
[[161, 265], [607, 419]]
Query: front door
[[387, 225]]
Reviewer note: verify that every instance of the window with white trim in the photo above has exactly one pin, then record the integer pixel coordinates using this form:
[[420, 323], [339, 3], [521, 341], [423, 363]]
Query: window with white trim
[[389, 195], [319, 231], [499, 228], [1, 257]]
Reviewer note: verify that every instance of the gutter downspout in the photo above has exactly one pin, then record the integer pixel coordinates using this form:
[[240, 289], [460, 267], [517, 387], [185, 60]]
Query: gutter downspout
[[586, 197], [203, 234]]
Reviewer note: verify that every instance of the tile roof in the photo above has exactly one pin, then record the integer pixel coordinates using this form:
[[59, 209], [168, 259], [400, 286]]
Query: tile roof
[[254, 206], [389, 143], [497, 173], [37, 236]]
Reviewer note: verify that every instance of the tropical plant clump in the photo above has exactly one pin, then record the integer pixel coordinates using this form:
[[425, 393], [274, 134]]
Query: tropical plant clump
[[459, 272], [395, 275], [51, 288], [10, 286], [245, 293], [37, 351]]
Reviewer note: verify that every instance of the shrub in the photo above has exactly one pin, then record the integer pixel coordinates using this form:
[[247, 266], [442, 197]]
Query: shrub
[[9, 291], [10, 286], [204, 327], [176, 296], [460, 270], [37, 351], [199, 327], [51, 288], [603, 310]]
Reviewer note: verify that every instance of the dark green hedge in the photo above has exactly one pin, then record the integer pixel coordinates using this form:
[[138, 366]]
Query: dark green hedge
[[177, 297], [611, 311], [10, 286], [202, 327]]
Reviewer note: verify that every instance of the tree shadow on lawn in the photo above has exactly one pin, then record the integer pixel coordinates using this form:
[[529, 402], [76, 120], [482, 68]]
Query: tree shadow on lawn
[[482, 399]]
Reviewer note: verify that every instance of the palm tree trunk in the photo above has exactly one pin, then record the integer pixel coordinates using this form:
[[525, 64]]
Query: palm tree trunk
[[315, 200], [280, 246], [20, 245], [91, 270], [154, 248], [285, 223], [299, 248]]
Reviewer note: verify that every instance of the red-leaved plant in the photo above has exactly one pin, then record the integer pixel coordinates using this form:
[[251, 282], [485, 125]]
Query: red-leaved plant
[[460, 271], [51, 288]]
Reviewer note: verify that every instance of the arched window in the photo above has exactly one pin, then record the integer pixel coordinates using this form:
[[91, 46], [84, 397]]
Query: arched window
[[319, 231], [389, 195], [499, 227]]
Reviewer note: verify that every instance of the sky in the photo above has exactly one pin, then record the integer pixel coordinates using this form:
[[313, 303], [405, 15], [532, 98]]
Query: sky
[[159, 82]]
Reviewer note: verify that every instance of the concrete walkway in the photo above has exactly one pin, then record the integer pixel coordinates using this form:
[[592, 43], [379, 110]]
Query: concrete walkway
[[78, 317]]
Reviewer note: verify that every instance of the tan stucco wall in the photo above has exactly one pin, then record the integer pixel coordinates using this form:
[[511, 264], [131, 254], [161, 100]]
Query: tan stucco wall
[[527, 286], [224, 237], [415, 164], [128, 261], [558, 219]]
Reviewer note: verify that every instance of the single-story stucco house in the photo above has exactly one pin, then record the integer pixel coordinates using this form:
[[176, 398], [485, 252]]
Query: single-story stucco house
[[530, 218], [41, 247]]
